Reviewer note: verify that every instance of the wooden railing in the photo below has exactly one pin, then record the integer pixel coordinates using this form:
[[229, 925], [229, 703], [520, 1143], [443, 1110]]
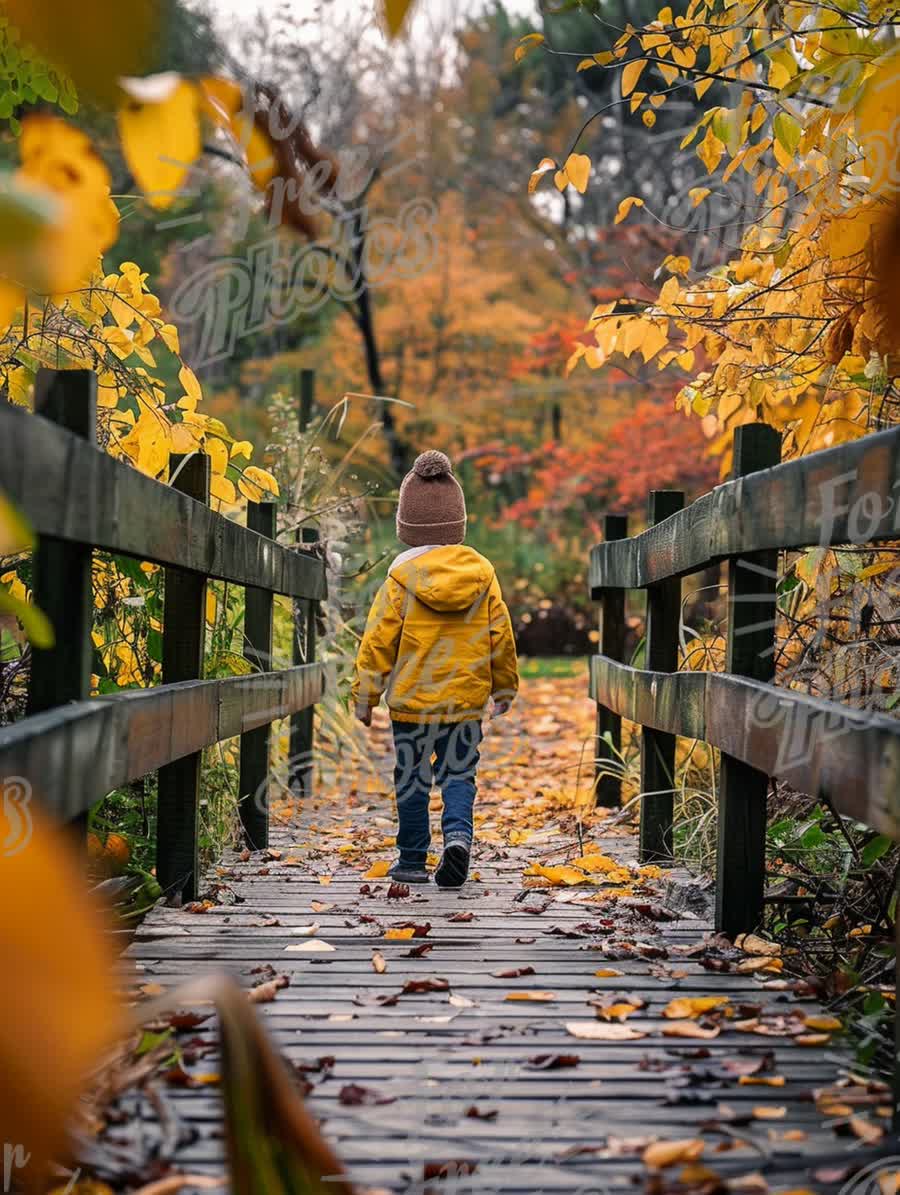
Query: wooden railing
[[73, 749], [847, 757]]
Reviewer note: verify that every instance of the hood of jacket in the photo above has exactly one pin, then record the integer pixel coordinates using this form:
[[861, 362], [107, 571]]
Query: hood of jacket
[[450, 577]]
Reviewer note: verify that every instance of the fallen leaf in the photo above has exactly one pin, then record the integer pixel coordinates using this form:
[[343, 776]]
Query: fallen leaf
[[378, 870], [530, 995], [823, 1024], [305, 930], [475, 1113], [379, 966], [399, 934], [513, 973], [313, 946], [770, 1112], [552, 1062], [693, 1006], [608, 973], [265, 993], [754, 944], [690, 1029], [355, 1096], [603, 1031], [662, 1154]]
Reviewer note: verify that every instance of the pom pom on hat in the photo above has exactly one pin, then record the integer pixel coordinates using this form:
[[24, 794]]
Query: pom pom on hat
[[432, 464]]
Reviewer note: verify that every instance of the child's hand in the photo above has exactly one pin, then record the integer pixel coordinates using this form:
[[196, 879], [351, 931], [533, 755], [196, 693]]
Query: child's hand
[[500, 707], [364, 714]]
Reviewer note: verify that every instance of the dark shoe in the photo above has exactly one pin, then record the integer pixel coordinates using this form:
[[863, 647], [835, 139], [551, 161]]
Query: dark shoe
[[453, 868], [409, 875]]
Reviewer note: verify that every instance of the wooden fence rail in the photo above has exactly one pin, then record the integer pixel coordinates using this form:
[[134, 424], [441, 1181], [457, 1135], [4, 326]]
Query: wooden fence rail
[[72, 749], [847, 757]]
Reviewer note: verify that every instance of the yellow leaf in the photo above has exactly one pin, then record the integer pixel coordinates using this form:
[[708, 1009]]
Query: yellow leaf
[[662, 1154], [211, 606], [149, 443], [631, 72], [625, 207], [603, 1031], [526, 43], [578, 170], [649, 119], [823, 1024], [257, 484], [188, 379], [693, 1006], [241, 448], [561, 875], [608, 973], [222, 488], [536, 175], [378, 870], [399, 935], [52, 940], [15, 534], [710, 151], [161, 137], [540, 997], [218, 454]]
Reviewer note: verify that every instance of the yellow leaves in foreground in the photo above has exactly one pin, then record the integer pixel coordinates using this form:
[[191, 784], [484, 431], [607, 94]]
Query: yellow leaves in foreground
[[159, 126], [257, 484], [94, 41], [60, 1013], [60, 164], [378, 870]]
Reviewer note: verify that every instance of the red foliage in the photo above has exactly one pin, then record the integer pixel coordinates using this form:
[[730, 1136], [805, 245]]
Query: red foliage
[[653, 447]]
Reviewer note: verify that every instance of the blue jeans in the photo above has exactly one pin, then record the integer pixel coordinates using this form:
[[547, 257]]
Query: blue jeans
[[454, 746]]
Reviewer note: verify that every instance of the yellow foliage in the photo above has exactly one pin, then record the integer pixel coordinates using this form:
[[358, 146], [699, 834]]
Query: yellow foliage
[[159, 127], [52, 941]]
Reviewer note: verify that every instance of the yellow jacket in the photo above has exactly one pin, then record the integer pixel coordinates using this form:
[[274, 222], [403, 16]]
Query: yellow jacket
[[438, 640]]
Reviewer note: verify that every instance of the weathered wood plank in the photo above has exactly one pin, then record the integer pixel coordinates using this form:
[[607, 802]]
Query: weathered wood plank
[[848, 494], [608, 738], [851, 757], [743, 789], [74, 755], [253, 792], [184, 640], [86, 497], [660, 655]]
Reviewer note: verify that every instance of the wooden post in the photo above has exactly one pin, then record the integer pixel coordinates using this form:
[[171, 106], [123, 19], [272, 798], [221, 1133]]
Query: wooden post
[[184, 641], [307, 391], [612, 644], [254, 801], [660, 655], [61, 582], [301, 769], [741, 860]]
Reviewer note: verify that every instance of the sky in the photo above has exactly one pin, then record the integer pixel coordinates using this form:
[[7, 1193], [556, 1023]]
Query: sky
[[231, 10]]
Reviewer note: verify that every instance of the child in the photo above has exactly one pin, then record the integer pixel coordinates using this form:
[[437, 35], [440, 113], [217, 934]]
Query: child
[[439, 643]]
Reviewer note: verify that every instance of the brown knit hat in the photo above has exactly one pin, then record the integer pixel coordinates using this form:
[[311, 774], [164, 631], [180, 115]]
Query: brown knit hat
[[432, 507]]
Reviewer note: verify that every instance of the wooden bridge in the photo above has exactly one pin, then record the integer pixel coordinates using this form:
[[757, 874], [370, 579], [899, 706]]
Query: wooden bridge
[[513, 1036]]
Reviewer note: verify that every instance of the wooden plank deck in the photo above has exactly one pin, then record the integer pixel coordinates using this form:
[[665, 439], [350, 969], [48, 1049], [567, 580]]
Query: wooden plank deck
[[464, 1074]]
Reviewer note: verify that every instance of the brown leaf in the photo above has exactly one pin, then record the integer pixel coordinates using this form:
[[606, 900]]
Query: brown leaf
[[419, 951], [355, 1096], [455, 1168], [265, 993], [475, 1113], [462, 917], [413, 987], [513, 973], [552, 1062]]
